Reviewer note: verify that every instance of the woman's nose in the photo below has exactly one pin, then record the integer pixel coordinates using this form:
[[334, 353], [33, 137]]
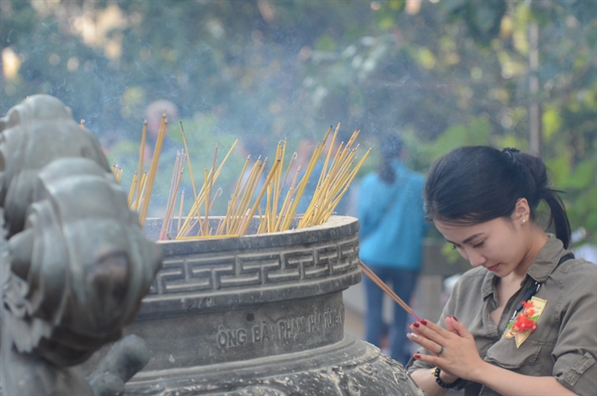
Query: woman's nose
[[475, 258]]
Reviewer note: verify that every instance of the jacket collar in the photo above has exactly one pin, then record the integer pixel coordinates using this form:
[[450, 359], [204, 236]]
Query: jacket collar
[[547, 260], [544, 264]]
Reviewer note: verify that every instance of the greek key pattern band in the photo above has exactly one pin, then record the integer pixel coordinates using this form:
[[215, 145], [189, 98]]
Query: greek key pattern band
[[242, 269]]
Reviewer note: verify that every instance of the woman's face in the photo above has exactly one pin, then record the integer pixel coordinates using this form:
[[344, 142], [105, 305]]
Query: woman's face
[[500, 245]]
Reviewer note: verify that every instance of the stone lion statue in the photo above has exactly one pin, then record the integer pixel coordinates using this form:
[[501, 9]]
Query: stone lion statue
[[75, 262]]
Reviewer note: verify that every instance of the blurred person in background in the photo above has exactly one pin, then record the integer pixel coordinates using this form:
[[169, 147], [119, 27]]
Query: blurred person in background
[[123, 152], [391, 216]]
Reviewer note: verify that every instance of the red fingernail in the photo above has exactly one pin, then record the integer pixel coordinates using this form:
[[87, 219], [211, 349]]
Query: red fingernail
[[454, 317], [416, 324], [424, 322], [417, 356]]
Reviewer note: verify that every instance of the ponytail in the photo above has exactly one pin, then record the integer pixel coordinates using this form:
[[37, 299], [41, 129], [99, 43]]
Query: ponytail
[[386, 171], [557, 216]]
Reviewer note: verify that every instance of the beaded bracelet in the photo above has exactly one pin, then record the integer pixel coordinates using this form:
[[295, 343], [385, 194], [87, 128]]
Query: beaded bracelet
[[441, 383]]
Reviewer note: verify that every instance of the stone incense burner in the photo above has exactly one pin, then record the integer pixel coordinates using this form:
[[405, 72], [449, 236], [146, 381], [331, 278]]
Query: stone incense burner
[[259, 315]]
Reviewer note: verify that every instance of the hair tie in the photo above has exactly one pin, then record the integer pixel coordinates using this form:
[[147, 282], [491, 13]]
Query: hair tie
[[512, 159], [509, 151]]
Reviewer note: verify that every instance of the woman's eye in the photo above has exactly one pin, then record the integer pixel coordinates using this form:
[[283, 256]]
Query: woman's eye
[[477, 245]]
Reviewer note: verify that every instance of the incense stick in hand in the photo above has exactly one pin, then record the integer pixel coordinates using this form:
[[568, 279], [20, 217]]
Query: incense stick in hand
[[367, 271]]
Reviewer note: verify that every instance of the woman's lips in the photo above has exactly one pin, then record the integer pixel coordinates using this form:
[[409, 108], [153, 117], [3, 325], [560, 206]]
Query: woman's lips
[[493, 268]]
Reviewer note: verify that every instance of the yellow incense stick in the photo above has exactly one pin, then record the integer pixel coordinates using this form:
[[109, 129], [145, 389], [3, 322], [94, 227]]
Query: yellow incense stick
[[141, 157], [173, 193], [250, 216], [186, 147], [180, 212], [132, 190], [303, 184], [189, 221], [153, 169], [327, 158], [209, 188]]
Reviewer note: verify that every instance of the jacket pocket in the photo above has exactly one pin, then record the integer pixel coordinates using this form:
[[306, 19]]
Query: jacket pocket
[[505, 354]]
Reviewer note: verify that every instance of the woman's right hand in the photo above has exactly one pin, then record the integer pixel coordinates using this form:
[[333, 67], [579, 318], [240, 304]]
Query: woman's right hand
[[446, 376], [459, 356]]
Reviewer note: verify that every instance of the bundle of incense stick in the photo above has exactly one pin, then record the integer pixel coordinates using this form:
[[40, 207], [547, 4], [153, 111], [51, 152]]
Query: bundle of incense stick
[[141, 187], [204, 199], [137, 185], [246, 203], [333, 181], [367, 271], [146, 198], [337, 174]]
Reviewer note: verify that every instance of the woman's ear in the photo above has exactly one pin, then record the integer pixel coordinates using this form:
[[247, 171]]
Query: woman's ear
[[522, 211]]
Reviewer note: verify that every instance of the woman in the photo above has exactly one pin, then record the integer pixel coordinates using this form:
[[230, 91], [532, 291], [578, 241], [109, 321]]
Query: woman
[[392, 220], [484, 202]]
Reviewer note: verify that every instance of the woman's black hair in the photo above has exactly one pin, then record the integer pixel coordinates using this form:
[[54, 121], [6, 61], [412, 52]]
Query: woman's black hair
[[472, 185], [390, 147]]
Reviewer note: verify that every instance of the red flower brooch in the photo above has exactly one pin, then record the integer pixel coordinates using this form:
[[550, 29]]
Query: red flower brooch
[[526, 321]]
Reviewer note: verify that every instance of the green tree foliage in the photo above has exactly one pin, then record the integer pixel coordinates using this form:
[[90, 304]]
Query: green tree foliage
[[443, 73]]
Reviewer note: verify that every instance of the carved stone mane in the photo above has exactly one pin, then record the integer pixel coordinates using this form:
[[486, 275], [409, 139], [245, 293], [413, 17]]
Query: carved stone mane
[[78, 262]]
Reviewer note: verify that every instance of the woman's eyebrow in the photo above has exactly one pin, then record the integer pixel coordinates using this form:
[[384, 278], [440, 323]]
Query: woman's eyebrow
[[467, 239]]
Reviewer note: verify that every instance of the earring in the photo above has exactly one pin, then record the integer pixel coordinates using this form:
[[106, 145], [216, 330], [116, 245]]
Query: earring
[[524, 220]]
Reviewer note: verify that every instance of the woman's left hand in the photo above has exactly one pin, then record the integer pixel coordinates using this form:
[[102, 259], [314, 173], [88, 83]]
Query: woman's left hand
[[459, 355]]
